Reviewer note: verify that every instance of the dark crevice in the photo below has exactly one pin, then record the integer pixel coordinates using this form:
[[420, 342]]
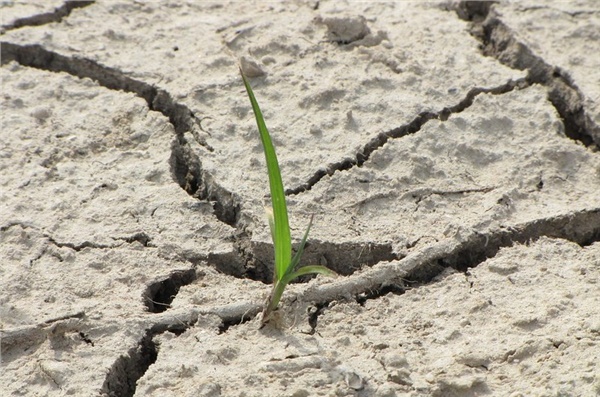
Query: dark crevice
[[48, 17], [159, 294], [79, 247], [230, 263], [343, 258], [121, 380], [499, 41], [473, 11], [313, 316], [245, 251], [186, 166], [414, 126], [38, 57], [388, 289], [582, 228], [84, 337], [141, 238], [187, 171], [474, 92], [231, 322]]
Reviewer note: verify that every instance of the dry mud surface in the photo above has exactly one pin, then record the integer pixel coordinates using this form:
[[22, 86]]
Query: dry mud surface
[[448, 151]]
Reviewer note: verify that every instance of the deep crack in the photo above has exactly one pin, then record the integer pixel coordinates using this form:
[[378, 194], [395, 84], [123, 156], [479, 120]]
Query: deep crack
[[159, 294], [186, 166], [419, 268], [499, 41], [423, 266], [343, 258], [313, 316], [121, 379]]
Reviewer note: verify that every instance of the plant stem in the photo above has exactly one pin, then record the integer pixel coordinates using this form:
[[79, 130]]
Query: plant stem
[[273, 300]]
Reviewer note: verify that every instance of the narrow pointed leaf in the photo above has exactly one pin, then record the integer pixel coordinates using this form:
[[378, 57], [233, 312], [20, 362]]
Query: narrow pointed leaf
[[300, 251], [304, 270], [282, 239]]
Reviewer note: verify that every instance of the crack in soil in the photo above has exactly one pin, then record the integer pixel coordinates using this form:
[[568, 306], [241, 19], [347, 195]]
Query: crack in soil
[[159, 294], [78, 247], [422, 267], [141, 238], [121, 379], [499, 41], [186, 166], [417, 269], [407, 129], [187, 171], [343, 258], [48, 17]]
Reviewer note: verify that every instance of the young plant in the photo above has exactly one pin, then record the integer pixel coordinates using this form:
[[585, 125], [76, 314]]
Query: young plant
[[286, 266]]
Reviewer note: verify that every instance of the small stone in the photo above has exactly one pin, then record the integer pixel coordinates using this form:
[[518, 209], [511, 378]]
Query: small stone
[[345, 30], [353, 380], [41, 113], [250, 68]]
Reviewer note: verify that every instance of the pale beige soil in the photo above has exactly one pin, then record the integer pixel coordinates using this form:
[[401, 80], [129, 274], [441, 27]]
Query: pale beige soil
[[448, 151]]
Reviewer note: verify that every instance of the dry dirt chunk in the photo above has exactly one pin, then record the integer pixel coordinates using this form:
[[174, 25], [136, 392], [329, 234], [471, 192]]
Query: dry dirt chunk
[[564, 35], [91, 214], [503, 161], [322, 102], [467, 333], [464, 333], [91, 167], [345, 30]]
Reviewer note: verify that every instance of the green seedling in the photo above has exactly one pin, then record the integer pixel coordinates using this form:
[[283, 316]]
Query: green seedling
[[286, 266]]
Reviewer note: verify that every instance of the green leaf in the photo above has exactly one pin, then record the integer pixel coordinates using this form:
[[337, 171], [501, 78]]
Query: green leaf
[[300, 251], [304, 270], [280, 285], [282, 239]]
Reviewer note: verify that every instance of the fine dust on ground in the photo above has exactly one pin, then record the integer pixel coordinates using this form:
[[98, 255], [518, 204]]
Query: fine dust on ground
[[448, 151]]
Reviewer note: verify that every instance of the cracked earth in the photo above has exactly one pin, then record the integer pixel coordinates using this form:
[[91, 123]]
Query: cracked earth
[[448, 151]]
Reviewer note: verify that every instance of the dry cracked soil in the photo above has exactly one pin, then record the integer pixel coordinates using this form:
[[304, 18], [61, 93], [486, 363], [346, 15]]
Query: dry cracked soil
[[448, 151]]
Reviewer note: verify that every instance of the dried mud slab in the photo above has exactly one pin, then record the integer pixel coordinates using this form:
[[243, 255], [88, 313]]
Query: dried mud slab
[[91, 217], [548, 41], [527, 315], [504, 160], [448, 151]]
